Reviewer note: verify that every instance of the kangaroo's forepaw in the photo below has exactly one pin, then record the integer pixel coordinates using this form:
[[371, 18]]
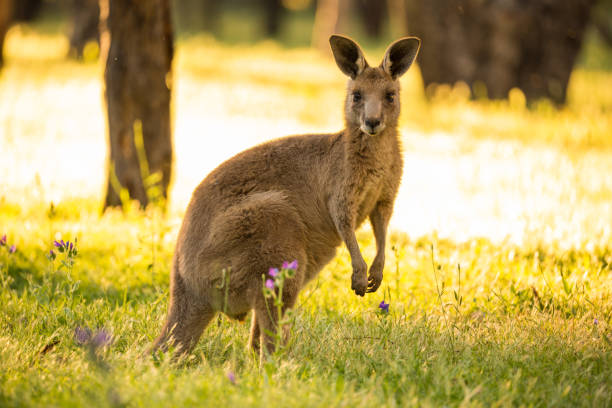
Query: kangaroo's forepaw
[[375, 276], [374, 280], [359, 280]]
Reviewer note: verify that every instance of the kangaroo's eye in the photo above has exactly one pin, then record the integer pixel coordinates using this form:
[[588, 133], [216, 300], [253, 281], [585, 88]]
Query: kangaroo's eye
[[390, 97], [356, 96]]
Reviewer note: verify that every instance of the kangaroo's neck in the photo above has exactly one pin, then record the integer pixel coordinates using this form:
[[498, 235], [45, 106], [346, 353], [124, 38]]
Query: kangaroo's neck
[[362, 146]]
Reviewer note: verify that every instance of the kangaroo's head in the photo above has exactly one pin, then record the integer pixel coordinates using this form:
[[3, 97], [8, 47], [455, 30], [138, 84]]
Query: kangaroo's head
[[372, 99]]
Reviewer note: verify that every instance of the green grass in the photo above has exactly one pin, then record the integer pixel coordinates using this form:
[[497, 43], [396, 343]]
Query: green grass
[[473, 321], [513, 326]]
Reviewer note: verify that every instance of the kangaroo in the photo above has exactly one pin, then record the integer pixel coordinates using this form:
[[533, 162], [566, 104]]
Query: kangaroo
[[294, 198]]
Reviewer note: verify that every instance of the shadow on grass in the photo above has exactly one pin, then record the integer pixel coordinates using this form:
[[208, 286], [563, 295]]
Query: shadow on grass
[[35, 275]]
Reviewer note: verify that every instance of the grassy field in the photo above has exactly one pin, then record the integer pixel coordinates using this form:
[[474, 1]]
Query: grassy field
[[498, 274]]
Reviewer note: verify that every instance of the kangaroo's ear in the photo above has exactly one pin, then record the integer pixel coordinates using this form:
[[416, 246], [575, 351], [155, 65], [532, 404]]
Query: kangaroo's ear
[[400, 55], [348, 55]]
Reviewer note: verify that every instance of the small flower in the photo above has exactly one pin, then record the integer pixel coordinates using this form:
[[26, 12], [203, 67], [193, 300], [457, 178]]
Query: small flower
[[384, 307], [273, 272], [12, 249], [231, 377], [3, 240], [52, 255], [82, 335], [68, 247], [595, 322], [270, 284], [290, 265], [101, 339]]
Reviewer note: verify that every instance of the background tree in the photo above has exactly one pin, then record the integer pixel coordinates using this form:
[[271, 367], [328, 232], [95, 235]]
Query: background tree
[[195, 15], [373, 13], [500, 44], [12, 11], [26, 10], [138, 45], [330, 16], [274, 11], [6, 15], [85, 25], [601, 15]]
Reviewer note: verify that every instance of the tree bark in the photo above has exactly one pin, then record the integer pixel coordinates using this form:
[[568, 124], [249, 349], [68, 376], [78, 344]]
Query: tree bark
[[396, 9], [25, 10], [601, 16], [273, 10], [85, 25], [501, 44], [6, 13], [373, 15], [138, 45], [210, 14], [330, 18]]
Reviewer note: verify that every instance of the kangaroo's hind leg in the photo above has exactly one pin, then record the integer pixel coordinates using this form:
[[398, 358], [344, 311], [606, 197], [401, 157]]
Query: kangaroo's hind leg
[[275, 234], [267, 318], [187, 318]]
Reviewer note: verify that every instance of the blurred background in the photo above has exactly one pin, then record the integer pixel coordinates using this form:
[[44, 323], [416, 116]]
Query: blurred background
[[506, 121]]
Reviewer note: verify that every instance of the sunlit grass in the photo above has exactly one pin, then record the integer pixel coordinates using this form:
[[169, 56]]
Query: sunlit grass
[[508, 303], [489, 323]]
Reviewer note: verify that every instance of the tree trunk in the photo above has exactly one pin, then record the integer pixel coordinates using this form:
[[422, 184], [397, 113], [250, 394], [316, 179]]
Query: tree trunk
[[85, 25], [396, 9], [601, 16], [210, 15], [25, 10], [330, 17], [137, 43], [273, 10], [6, 14], [500, 44], [373, 14]]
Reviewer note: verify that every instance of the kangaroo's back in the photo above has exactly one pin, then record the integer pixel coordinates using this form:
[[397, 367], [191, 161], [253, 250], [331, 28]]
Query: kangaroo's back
[[300, 167]]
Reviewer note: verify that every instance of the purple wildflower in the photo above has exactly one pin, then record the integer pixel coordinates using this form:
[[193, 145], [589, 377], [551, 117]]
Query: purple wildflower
[[384, 306], [12, 249], [595, 322], [3, 240], [102, 339], [51, 254], [291, 265], [66, 246], [82, 335], [270, 284], [273, 272], [231, 377]]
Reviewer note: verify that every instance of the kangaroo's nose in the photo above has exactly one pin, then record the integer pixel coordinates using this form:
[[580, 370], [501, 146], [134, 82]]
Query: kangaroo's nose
[[372, 123]]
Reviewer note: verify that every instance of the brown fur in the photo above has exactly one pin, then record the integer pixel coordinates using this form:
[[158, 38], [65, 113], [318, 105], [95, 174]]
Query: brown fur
[[293, 198]]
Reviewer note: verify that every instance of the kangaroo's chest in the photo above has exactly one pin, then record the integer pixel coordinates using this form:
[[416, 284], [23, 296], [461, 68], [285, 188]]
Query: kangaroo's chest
[[366, 205], [369, 189]]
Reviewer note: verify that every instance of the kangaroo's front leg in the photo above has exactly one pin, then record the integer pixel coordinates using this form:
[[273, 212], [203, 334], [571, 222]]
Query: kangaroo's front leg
[[379, 218], [344, 220]]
